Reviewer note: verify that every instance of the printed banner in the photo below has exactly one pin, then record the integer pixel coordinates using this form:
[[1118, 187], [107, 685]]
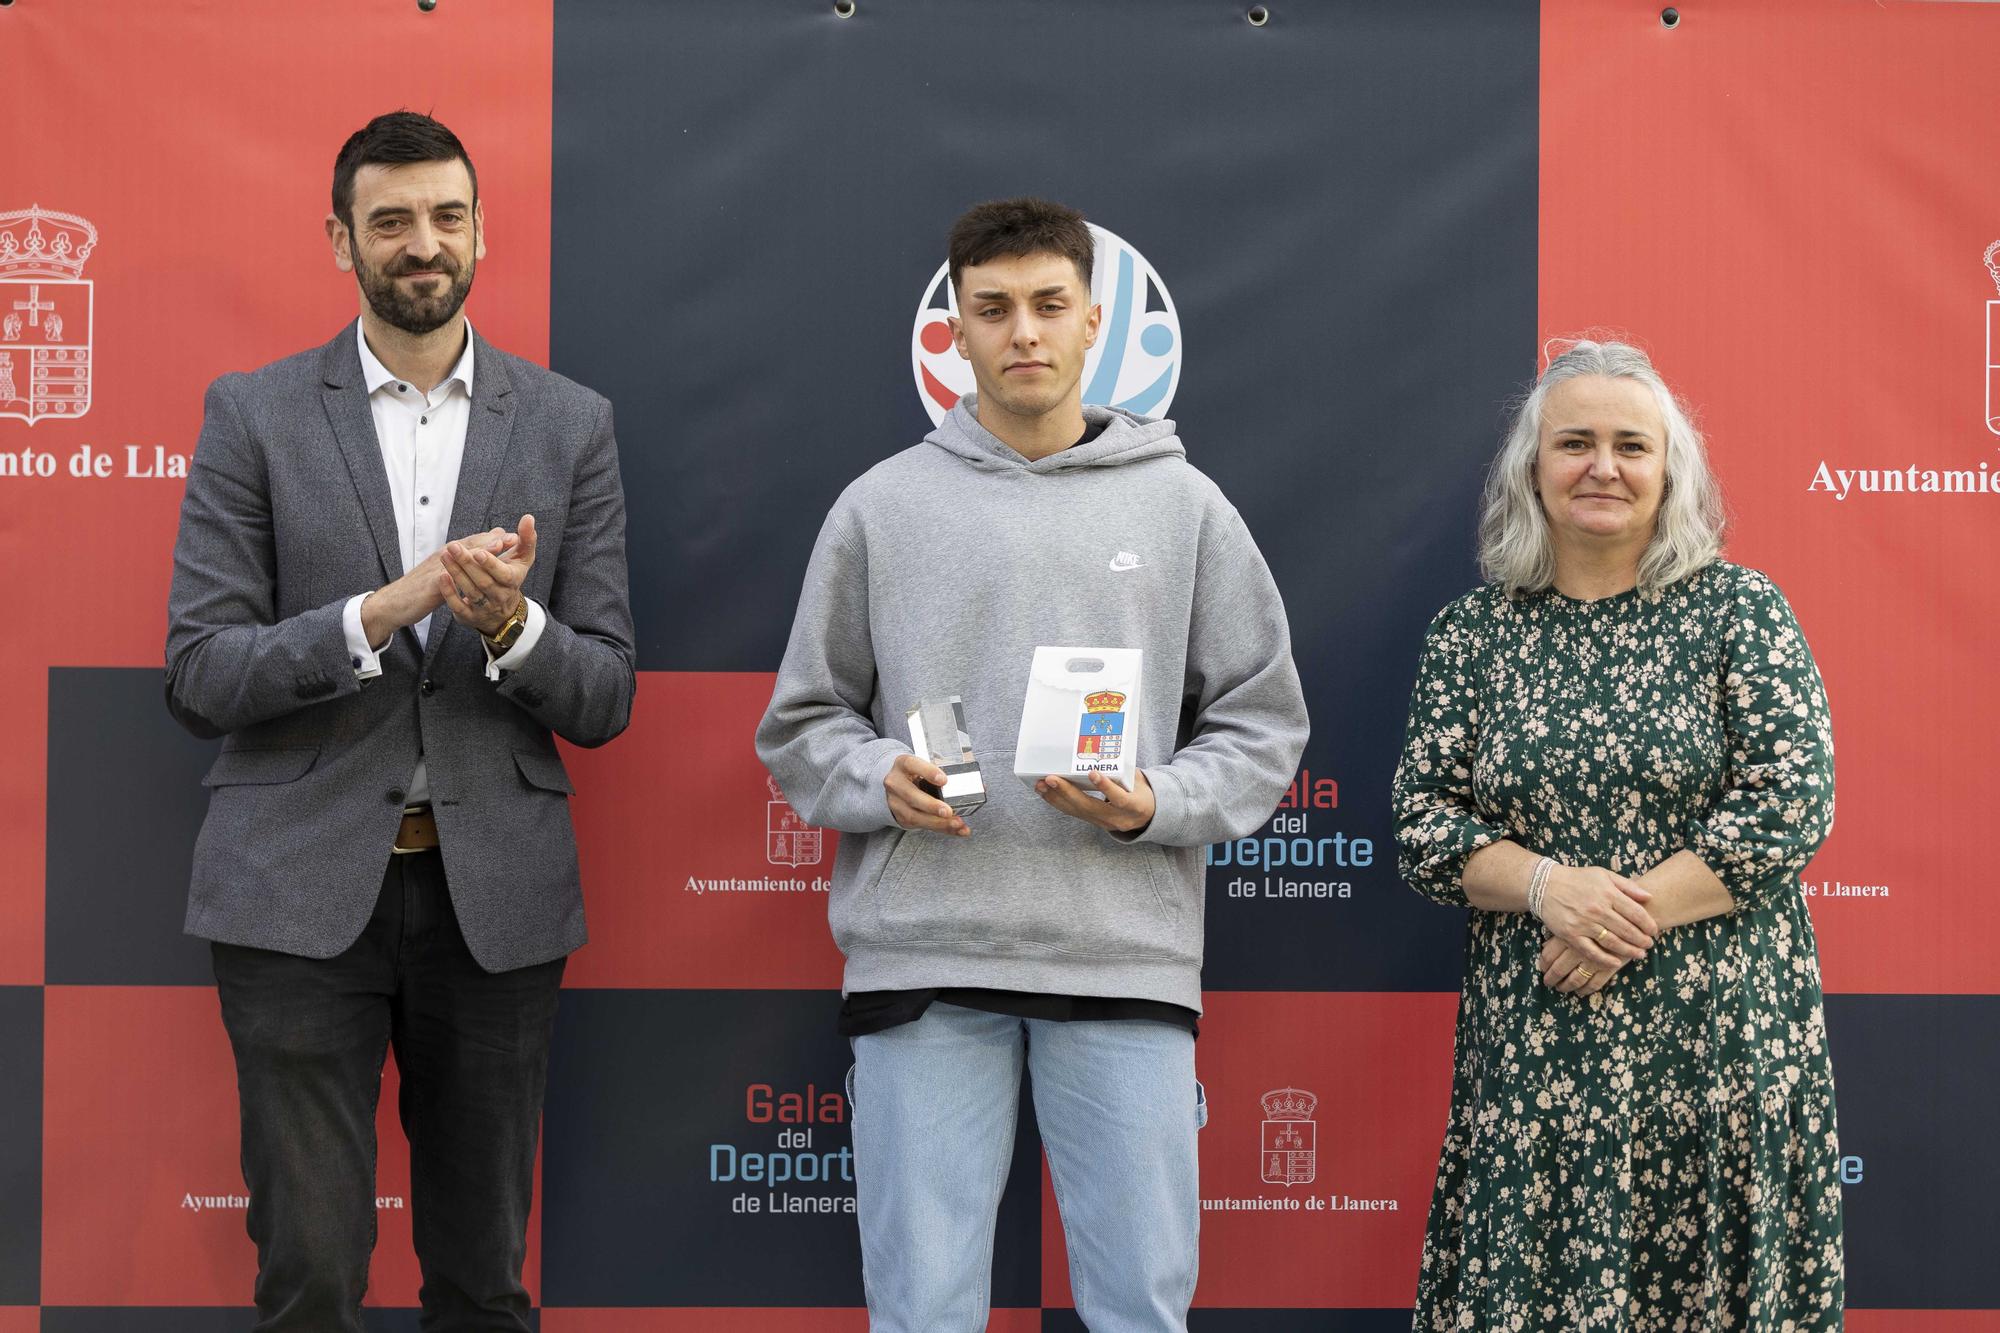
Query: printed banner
[[1333, 246]]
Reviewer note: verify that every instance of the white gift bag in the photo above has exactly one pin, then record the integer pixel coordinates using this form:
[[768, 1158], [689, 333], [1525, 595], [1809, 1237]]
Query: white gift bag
[[1081, 716]]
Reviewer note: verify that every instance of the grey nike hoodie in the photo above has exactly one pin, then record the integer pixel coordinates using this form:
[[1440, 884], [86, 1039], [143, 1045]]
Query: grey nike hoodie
[[939, 572]]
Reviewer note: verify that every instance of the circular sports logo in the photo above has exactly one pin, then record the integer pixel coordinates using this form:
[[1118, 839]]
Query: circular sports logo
[[1136, 364]]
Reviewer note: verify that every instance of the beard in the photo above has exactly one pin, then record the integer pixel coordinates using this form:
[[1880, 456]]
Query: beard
[[412, 311]]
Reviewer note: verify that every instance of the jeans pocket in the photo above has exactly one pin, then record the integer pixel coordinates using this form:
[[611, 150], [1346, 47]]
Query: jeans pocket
[[1200, 1106], [850, 1098]]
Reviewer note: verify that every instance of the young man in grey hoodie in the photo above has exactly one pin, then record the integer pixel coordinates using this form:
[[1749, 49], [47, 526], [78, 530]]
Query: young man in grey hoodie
[[1057, 929]]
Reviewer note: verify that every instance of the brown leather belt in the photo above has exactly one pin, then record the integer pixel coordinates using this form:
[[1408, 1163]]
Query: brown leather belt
[[419, 832]]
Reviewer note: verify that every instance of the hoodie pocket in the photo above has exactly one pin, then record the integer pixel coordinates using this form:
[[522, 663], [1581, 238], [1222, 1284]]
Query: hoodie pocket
[[1029, 878]]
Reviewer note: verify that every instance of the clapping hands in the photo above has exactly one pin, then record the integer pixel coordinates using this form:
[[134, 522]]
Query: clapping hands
[[480, 580]]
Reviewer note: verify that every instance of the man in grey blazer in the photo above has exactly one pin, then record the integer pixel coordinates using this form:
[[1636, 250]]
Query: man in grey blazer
[[401, 567]]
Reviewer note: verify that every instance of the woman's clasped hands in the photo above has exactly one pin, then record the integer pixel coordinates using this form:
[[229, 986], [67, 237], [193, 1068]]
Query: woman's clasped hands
[[1597, 923]]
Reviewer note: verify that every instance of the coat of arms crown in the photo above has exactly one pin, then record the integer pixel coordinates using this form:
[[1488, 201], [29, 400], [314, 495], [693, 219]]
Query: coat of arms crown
[[39, 242], [1289, 1104]]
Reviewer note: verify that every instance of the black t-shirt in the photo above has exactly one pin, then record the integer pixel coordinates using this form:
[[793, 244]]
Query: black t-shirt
[[869, 1011], [864, 1012]]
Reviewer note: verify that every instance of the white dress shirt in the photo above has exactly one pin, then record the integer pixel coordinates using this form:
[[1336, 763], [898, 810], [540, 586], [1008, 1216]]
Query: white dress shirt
[[422, 437]]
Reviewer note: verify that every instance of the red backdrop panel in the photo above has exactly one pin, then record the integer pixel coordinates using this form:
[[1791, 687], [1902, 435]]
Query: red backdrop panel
[[1709, 189], [140, 1131], [1376, 1122], [211, 256], [699, 874]]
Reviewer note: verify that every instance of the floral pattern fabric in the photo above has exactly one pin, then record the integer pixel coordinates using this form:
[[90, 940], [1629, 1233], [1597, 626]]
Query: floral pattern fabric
[[1661, 1155]]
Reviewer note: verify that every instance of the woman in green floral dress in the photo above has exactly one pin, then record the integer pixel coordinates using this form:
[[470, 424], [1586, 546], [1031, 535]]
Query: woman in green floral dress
[[1618, 756]]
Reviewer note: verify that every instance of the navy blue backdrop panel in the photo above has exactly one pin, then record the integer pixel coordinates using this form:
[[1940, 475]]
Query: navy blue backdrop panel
[[21, 1144], [652, 1165], [1915, 1081], [751, 201]]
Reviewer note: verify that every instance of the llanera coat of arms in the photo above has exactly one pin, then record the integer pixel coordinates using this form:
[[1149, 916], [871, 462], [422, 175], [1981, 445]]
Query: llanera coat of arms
[[45, 308]]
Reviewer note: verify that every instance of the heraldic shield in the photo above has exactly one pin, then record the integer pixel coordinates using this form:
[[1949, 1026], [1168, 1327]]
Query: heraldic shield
[[1100, 733], [45, 310], [1289, 1137], [1993, 366], [788, 839], [1992, 261]]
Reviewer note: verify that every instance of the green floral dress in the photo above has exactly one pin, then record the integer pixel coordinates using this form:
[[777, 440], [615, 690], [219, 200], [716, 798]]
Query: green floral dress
[[1661, 1155]]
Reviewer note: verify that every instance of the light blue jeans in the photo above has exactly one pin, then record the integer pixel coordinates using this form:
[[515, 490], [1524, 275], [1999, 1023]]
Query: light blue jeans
[[934, 1107]]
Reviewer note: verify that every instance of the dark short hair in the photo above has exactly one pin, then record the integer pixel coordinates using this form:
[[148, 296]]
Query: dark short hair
[[1016, 228], [391, 140]]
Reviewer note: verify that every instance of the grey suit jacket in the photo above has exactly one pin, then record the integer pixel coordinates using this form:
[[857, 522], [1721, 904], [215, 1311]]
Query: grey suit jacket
[[286, 516]]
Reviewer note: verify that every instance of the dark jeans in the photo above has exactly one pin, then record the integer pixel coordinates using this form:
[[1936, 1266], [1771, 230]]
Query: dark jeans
[[472, 1048]]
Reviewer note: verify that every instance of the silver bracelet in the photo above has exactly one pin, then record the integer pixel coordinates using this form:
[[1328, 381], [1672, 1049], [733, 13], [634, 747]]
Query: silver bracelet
[[1538, 885]]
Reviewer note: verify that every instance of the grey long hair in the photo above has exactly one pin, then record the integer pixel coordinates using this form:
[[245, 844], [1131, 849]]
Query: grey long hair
[[1515, 549]]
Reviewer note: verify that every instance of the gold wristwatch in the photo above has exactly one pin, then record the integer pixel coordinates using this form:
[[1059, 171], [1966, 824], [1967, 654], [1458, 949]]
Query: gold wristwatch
[[510, 632]]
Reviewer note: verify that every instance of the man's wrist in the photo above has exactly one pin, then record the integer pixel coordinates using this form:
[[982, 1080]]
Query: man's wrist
[[510, 629], [377, 625]]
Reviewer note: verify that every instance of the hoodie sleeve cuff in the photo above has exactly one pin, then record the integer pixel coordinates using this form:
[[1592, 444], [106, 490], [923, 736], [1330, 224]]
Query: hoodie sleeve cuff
[[856, 801], [1170, 809]]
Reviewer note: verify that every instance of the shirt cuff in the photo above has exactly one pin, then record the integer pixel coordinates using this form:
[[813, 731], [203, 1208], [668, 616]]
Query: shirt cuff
[[531, 633], [367, 665]]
